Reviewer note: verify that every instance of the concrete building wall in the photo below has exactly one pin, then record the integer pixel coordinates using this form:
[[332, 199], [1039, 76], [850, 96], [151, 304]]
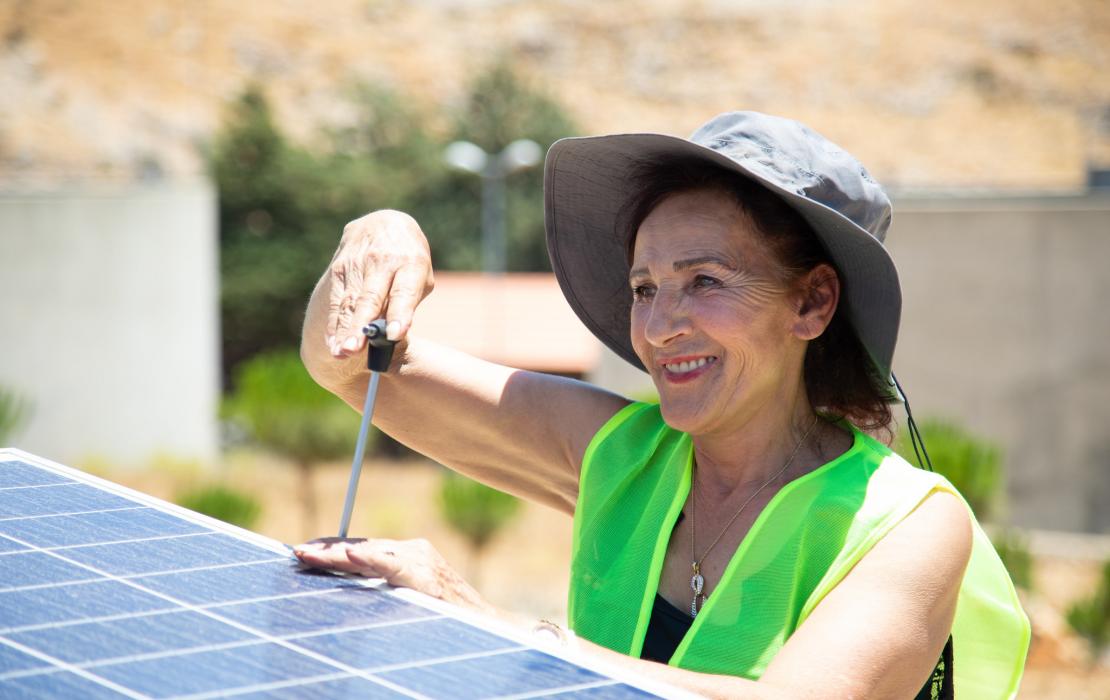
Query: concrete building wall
[[109, 320], [1005, 329]]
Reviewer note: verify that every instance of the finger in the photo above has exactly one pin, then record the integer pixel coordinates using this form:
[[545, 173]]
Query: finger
[[371, 306], [332, 558], [325, 542], [336, 294], [347, 278], [410, 285], [326, 552], [378, 563]]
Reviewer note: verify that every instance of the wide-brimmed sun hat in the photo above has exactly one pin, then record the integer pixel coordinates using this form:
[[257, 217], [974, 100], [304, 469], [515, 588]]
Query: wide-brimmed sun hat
[[588, 184]]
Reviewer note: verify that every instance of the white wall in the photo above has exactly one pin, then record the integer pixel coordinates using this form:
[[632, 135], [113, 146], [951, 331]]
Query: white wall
[[109, 320]]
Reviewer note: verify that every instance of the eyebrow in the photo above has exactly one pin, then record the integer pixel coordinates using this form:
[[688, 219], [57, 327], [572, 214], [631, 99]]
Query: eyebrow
[[680, 265]]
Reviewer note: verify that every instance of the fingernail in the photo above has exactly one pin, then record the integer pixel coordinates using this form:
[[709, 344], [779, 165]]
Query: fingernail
[[393, 330], [351, 344]]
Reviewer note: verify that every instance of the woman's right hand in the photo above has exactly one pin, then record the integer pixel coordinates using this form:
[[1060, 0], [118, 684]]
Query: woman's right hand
[[521, 432], [383, 267]]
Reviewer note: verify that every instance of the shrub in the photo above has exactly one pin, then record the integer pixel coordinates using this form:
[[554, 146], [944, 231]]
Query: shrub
[[1013, 549], [223, 503], [475, 511], [14, 411], [1090, 617], [284, 410], [972, 464]]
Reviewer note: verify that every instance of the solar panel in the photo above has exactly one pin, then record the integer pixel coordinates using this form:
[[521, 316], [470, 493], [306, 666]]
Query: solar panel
[[108, 593]]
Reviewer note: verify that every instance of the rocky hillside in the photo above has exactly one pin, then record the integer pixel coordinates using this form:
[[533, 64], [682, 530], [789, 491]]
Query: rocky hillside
[[948, 93]]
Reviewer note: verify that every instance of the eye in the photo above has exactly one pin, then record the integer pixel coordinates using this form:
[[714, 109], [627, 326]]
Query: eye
[[641, 292], [706, 282]]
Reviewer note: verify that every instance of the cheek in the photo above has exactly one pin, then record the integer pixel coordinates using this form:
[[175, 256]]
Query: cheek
[[637, 319], [752, 336]]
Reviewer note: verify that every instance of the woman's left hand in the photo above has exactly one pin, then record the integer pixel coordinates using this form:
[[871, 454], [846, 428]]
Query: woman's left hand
[[411, 564]]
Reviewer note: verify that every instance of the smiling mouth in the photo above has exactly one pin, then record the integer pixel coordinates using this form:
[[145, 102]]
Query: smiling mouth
[[688, 366]]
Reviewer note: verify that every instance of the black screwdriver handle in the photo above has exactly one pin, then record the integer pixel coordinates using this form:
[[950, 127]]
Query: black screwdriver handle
[[379, 351]]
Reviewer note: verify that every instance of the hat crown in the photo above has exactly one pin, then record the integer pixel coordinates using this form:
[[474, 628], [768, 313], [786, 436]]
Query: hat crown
[[794, 158]]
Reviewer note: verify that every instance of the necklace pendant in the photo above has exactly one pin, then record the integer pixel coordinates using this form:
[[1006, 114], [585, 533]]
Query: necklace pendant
[[697, 585], [697, 582]]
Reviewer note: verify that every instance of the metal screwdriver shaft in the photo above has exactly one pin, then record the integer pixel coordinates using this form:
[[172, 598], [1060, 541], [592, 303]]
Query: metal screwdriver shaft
[[379, 353]]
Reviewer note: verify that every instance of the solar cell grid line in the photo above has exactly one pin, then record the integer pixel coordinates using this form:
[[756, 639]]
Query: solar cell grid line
[[107, 592], [147, 674]]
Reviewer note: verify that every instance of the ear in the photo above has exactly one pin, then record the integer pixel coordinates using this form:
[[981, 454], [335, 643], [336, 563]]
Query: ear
[[817, 295]]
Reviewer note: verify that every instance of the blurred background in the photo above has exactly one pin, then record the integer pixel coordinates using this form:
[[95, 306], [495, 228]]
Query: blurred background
[[174, 177]]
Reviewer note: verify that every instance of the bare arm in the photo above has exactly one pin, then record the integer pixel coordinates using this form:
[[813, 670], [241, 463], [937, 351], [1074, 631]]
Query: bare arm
[[521, 432], [877, 635]]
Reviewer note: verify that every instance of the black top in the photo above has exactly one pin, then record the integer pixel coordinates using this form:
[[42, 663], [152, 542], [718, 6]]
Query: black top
[[668, 625], [666, 628]]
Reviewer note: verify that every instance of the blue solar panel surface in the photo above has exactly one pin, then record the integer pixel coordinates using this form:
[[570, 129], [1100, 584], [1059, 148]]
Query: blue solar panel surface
[[106, 593]]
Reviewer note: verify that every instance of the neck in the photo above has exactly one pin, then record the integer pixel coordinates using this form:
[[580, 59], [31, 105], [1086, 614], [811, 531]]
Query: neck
[[743, 458]]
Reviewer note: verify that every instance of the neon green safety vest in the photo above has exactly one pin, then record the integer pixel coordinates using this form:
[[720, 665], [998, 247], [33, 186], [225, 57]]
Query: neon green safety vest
[[634, 482]]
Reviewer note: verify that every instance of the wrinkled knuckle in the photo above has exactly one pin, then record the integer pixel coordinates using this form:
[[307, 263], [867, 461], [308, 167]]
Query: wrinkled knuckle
[[369, 297], [401, 294], [349, 304]]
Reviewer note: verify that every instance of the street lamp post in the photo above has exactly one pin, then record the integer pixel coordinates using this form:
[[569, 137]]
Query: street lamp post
[[493, 169]]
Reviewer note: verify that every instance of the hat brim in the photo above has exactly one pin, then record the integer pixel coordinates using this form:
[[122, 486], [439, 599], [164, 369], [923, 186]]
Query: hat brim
[[587, 186]]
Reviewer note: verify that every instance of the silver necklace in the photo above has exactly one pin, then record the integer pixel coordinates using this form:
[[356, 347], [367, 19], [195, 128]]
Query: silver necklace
[[697, 581]]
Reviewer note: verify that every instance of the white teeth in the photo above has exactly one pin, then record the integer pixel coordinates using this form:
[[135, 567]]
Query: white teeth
[[684, 367]]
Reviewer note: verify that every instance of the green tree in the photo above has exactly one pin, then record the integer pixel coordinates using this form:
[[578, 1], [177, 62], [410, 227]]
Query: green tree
[[282, 206], [284, 410], [14, 411], [271, 221], [501, 106], [476, 512]]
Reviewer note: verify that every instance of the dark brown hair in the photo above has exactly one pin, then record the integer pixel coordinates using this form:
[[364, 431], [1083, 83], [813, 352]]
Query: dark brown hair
[[840, 378]]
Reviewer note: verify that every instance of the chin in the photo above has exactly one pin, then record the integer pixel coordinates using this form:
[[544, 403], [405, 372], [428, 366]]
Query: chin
[[684, 418]]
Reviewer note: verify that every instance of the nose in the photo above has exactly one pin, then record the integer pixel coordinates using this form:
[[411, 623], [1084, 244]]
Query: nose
[[667, 319]]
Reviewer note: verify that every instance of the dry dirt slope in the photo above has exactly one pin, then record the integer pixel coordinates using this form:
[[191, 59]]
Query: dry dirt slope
[[1011, 93]]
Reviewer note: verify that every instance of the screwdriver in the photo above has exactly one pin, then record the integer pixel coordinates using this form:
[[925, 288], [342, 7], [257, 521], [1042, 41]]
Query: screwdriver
[[379, 353]]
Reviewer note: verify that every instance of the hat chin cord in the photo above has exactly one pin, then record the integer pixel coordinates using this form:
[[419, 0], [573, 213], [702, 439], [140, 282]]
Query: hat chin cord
[[916, 440]]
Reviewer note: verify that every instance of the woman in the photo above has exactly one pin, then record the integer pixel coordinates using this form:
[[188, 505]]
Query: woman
[[744, 538]]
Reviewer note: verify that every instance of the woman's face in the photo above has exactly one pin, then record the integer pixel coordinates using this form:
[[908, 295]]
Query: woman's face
[[712, 318]]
